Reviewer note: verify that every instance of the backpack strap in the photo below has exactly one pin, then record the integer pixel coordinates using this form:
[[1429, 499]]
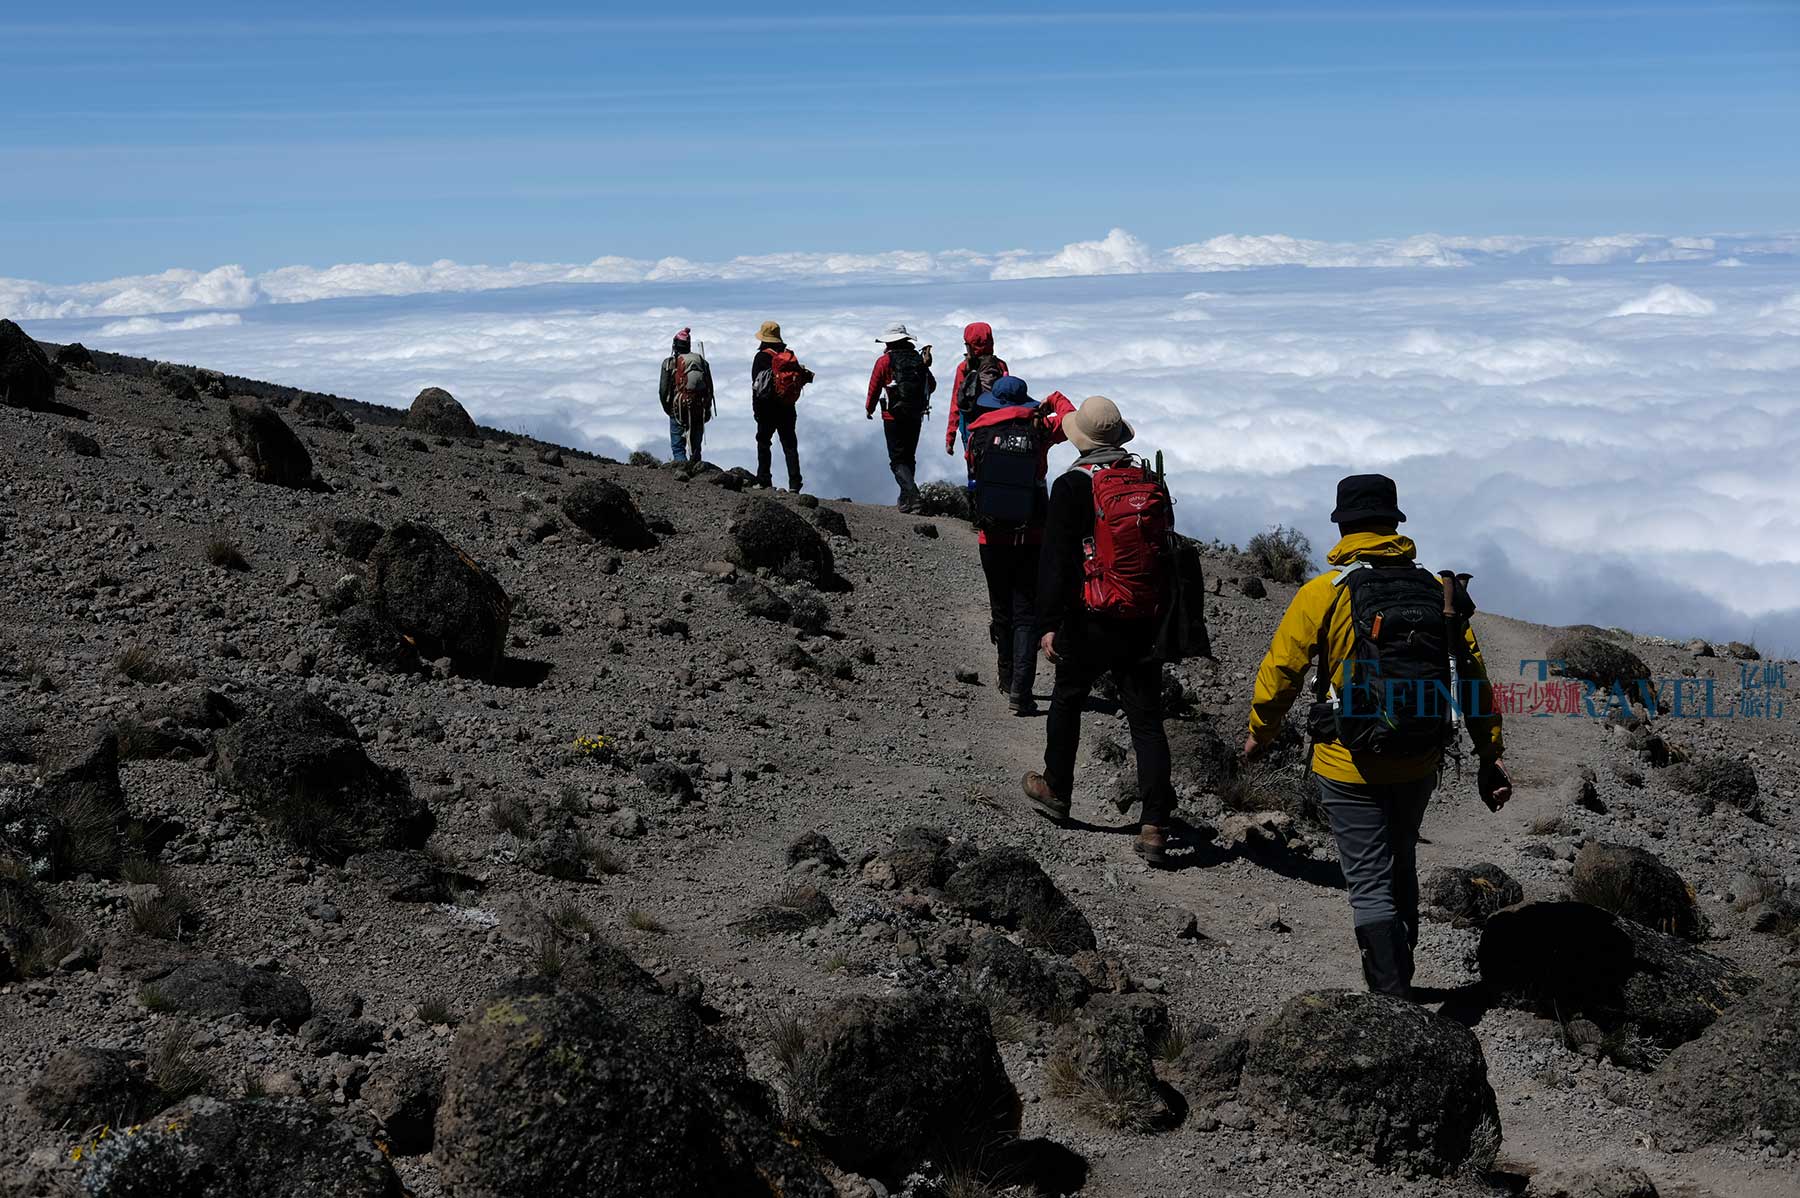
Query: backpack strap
[[1322, 676]]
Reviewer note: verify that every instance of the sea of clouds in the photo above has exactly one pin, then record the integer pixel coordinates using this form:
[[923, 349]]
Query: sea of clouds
[[1600, 429]]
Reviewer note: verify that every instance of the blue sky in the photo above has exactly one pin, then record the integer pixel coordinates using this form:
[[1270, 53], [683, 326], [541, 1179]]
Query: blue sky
[[199, 134]]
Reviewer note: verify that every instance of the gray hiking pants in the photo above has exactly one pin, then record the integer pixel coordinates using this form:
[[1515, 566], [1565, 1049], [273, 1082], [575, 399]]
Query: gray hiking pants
[[1377, 833]]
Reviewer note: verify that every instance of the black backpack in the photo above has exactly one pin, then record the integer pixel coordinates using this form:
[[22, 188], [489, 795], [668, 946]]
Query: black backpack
[[1394, 691], [909, 394], [979, 376], [1009, 495]]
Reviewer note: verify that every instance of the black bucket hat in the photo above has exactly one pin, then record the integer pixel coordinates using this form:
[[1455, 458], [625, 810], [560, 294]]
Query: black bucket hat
[[1363, 497]]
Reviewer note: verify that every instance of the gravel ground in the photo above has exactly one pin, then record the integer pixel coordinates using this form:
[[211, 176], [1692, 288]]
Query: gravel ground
[[102, 555]]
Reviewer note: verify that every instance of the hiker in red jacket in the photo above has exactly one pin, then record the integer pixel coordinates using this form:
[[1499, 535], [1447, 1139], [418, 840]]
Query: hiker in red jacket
[[901, 385], [1008, 456], [975, 377], [1099, 595]]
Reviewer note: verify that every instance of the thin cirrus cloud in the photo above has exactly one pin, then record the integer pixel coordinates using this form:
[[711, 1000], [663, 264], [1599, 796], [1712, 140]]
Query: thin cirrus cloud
[[1599, 428]]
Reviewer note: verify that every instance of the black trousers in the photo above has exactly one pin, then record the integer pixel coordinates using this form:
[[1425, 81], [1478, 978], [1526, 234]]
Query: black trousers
[[773, 416], [903, 452], [1012, 572], [1124, 649]]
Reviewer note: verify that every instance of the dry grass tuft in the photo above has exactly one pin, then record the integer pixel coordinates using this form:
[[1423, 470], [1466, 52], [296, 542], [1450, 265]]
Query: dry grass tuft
[[226, 555], [144, 665], [1098, 1097]]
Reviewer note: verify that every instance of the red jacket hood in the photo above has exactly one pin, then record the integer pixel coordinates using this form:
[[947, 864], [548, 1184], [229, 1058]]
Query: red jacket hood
[[979, 337]]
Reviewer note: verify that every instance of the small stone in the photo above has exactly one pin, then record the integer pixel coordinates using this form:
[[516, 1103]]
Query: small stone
[[968, 676]]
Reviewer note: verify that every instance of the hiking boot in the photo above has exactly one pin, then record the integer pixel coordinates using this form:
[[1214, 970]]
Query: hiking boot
[[1387, 958], [1152, 845], [1044, 800], [1023, 707]]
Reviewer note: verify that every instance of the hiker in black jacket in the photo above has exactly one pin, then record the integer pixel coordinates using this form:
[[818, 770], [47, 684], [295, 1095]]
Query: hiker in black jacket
[[1086, 644]]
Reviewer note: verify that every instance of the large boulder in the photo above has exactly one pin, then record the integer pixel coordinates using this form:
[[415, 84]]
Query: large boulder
[[267, 449], [1468, 894], [921, 858], [1011, 977], [1634, 883], [366, 631], [1102, 1062], [1742, 1076], [607, 512], [409, 876], [215, 987], [1604, 1181], [404, 1096], [884, 1083], [1007, 887], [1568, 960], [301, 768], [1374, 1075], [241, 1148], [27, 379], [578, 1093], [1607, 664], [1720, 781], [439, 597], [767, 535], [435, 411], [944, 499], [82, 1086]]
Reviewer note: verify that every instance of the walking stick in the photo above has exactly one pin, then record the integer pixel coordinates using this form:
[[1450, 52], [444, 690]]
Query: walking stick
[[1453, 642]]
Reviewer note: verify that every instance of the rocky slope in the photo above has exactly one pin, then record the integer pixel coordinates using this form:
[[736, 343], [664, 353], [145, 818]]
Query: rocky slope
[[360, 769]]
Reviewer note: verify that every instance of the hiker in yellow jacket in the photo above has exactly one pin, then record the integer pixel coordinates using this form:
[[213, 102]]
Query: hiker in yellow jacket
[[1378, 721]]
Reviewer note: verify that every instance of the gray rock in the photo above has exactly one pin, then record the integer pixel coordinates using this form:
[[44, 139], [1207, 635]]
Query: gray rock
[[1565, 960], [1469, 894], [769, 535], [1738, 1078], [607, 512], [884, 1083], [82, 1086], [435, 411], [1015, 978], [440, 597], [1374, 1075], [1102, 1060], [301, 768], [27, 379], [606, 1094], [242, 1148], [1006, 887], [267, 449], [214, 987], [1634, 883], [404, 1096], [1607, 1181]]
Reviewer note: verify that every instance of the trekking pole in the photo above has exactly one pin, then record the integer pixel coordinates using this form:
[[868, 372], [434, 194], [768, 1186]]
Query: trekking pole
[[1453, 645]]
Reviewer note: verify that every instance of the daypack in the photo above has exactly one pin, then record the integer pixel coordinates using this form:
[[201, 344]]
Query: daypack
[[1392, 694], [785, 376], [1130, 559], [909, 394], [1183, 634], [1004, 459], [980, 373], [693, 387]]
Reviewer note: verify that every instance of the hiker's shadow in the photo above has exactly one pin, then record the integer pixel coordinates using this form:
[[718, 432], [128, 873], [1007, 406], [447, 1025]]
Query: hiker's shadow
[[1466, 1004], [1289, 864], [1188, 847]]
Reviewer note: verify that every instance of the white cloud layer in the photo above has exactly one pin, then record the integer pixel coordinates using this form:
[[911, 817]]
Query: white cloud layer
[[229, 288], [1601, 430]]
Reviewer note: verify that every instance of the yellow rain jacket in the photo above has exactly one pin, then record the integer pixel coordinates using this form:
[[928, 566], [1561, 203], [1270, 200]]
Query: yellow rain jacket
[[1283, 669]]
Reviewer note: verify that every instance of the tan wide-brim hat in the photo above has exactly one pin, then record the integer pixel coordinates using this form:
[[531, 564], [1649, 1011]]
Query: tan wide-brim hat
[[769, 333], [1097, 424]]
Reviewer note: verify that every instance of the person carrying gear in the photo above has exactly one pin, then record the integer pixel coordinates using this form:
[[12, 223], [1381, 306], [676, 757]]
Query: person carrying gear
[[686, 391], [776, 380], [1009, 448], [901, 385], [1389, 639], [1105, 582], [976, 375]]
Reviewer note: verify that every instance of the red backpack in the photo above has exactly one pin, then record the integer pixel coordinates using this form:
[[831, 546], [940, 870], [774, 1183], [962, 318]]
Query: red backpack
[[786, 375], [1127, 573]]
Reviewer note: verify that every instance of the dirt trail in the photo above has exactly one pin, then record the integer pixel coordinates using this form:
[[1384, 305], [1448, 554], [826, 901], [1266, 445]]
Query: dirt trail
[[1254, 971]]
